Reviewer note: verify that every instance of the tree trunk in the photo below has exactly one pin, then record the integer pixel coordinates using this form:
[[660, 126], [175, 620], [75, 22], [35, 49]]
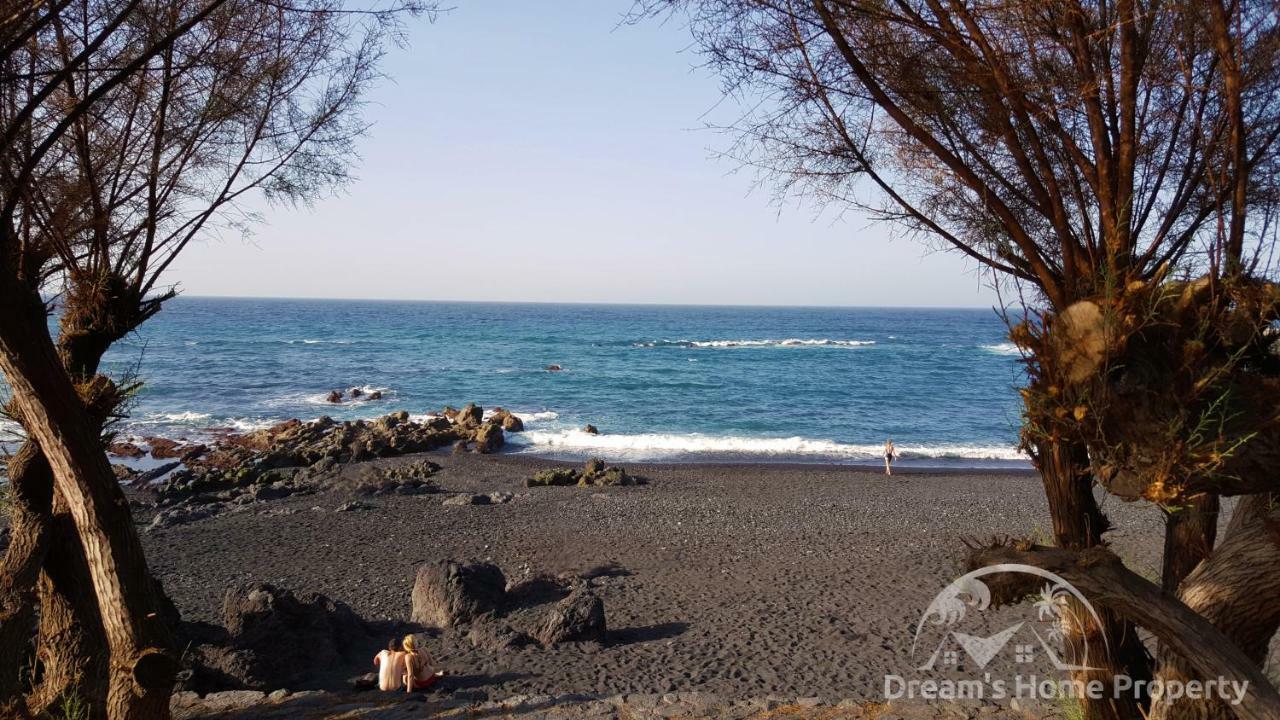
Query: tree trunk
[[30, 492], [1237, 589], [1078, 524], [70, 636], [142, 665], [1189, 535]]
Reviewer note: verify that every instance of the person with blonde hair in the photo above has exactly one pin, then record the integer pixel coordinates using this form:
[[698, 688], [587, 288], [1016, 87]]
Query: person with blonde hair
[[890, 454], [417, 666]]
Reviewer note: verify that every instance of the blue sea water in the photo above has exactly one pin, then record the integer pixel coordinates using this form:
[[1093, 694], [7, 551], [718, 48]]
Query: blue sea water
[[660, 382]]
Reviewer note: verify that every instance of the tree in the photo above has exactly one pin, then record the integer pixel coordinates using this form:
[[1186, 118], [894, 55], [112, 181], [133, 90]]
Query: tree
[[131, 129], [1113, 164]]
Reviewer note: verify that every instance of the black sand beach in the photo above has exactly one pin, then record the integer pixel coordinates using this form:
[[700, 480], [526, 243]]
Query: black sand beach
[[738, 580]]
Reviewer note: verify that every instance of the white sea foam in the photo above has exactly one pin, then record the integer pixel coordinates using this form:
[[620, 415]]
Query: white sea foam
[[535, 416], [173, 418], [320, 342], [787, 342], [1004, 348], [657, 445]]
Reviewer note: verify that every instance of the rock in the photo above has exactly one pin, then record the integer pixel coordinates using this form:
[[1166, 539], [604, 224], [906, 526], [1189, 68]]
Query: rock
[[590, 429], [282, 640], [469, 416], [363, 683], [145, 477], [352, 505], [449, 593], [554, 368], [578, 617], [553, 477], [334, 396], [125, 449], [467, 499], [355, 392], [496, 637], [375, 395], [500, 498], [489, 438], [181, 515], [163, 448], [408, 479], [608, 476], [508, 421], [594, 466], [461, 447]]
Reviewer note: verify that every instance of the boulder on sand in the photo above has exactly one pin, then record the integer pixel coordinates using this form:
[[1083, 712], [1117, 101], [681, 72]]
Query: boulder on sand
[[449, 593], [578, 617], [282, 640], [553, 477]]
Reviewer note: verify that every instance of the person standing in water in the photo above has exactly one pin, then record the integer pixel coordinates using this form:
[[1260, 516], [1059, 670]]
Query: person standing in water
[[890, 454]]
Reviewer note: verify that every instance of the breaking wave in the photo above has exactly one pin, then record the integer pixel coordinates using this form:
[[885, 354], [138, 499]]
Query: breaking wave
[[788, 342], [665, 445], [1004, 348]]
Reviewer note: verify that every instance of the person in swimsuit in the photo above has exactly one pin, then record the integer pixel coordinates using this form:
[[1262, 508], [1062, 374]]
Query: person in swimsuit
[[890, 454], [417, 666]]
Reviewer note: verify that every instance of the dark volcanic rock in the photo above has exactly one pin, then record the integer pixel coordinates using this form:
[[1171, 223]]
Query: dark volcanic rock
[[508, 421], [282, 640], [125, 449], [469, 416], [334, 396], [489, 438], [449, 593], [553, 476], [579, 617], [590, 429], [493, 636]]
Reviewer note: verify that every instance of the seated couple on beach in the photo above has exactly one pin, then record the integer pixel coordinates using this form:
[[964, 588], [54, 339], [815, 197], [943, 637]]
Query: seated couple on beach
[[406, 667]]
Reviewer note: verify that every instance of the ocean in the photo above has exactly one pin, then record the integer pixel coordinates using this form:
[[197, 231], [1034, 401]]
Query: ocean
[[662, 383]]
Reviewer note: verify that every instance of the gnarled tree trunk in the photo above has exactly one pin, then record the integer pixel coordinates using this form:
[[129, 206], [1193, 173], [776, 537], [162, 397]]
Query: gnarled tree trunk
[[142, 665], [1078, 524], [1237, 589], [29, 520]]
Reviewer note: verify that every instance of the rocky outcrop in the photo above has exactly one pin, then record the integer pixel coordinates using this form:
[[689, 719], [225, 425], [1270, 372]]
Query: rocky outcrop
[[489, 438], [449, 593], [125, 449], [594, 474], [508, 421], [334, 396], [273, 640], [577, 618], [590, 429]]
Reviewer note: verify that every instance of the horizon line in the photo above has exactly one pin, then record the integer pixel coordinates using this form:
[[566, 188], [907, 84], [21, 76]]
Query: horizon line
[[618, 303]]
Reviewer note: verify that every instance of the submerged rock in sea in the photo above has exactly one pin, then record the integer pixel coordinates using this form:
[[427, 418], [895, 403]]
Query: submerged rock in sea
[[577, 618], [449, 593], [334, 396], [590, 429]]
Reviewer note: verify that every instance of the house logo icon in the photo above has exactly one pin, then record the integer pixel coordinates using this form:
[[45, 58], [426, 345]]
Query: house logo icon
[[1059, 609]]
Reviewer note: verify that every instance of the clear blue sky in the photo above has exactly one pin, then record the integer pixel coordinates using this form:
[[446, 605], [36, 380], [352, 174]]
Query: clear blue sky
[[530, 151]]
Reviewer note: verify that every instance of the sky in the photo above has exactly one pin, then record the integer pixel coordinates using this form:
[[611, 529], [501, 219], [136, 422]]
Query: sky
[[546, 152]]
